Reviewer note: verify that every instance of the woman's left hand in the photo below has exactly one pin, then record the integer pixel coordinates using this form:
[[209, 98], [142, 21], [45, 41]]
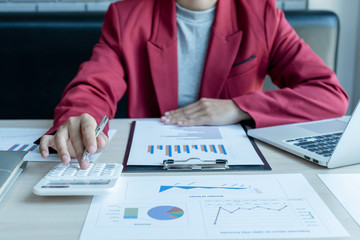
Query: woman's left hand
[[206, 112]]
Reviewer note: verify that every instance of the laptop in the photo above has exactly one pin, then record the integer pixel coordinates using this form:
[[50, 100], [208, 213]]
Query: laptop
[[331, 143]]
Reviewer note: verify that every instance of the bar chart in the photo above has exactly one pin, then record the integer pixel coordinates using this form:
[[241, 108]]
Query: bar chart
[[153, 142], [23, 147], [171, 150]]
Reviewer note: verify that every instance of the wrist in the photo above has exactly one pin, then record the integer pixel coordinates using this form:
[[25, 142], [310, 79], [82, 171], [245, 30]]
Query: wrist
[[241, 115]]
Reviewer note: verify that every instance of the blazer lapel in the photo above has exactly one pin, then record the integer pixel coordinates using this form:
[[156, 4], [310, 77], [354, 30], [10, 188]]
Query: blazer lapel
[[225, 40], [162, 52]]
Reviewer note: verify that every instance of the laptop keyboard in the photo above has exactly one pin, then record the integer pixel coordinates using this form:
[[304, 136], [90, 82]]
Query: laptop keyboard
[[321, 144]]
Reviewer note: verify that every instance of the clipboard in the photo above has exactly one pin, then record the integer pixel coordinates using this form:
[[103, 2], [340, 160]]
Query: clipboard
[[192, 164]]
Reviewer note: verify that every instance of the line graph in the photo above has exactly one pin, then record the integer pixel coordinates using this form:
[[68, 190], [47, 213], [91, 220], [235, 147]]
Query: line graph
[[249, 209], [248, 213]]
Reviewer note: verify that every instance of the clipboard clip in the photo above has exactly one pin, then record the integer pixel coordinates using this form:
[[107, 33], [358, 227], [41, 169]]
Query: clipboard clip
[[190, 164]]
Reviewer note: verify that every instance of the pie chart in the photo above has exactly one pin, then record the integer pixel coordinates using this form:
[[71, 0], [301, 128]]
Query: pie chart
[[165, 213]]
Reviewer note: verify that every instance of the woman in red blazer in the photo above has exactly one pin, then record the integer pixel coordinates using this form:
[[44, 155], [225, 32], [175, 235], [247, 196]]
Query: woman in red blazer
[[137, 52]]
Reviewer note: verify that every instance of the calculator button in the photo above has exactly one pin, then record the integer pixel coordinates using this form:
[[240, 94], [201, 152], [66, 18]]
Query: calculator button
[[95, 171], [81, 174]]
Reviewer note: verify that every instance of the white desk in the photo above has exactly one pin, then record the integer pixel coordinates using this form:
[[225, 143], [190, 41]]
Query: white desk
[[24, 215]]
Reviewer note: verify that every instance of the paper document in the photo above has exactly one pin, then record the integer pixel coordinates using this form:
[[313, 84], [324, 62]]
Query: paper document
[[154, 142], [211, 207], [346, 188], [22, 139]]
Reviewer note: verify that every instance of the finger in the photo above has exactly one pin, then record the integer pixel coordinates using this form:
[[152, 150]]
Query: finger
[[87, 128], [102, 141], [46, 141], [217, 112], [187, 110], [61, 138], [178, 115], [200, 120], [75, 137], [84, 164]]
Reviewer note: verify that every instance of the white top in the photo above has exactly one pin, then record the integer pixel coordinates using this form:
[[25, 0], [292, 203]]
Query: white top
[[193, 32]]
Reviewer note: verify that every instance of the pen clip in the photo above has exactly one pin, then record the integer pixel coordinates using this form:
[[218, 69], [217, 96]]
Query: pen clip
[[101, 125]]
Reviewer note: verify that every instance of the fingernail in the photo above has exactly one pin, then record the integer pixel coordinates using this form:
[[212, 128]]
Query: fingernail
[[64, 158], [180, 122], [163, 118], [102, 141], [167, 120], [44, 154], [167, 114]]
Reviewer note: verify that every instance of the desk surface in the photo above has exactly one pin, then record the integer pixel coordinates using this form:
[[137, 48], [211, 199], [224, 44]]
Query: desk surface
[[24, 215]]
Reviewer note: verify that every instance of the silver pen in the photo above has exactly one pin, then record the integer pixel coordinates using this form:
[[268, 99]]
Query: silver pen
[[98, 130]]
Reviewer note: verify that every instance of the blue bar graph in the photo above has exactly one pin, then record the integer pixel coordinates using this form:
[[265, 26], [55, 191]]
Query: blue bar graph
[[13, 147], [175, 150], [205, 148], [223, 149]]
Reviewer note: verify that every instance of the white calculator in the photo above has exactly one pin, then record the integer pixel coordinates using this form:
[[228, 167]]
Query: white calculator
[[69, 179]]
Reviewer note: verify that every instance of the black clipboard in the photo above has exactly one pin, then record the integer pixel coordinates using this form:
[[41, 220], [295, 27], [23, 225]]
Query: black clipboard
[[170, 165]]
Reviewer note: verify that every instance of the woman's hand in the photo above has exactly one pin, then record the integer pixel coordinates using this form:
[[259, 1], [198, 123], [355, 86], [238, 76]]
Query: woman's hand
[[206, 112], [72, 138]]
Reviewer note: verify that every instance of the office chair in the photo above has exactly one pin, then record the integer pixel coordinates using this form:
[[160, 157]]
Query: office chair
[[319, 29]]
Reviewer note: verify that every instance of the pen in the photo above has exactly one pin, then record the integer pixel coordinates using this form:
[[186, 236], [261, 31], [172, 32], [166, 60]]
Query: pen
[[98, 130]]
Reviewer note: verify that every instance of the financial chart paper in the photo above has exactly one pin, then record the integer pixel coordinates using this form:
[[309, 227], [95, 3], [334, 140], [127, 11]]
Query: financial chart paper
[[211, 207], [153, 142]]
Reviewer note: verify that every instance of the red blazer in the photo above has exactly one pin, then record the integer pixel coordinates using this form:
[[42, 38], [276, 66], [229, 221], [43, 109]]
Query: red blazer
[[249, 39]]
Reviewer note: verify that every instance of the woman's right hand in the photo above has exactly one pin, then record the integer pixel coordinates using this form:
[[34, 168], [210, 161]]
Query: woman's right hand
[[72, 138]]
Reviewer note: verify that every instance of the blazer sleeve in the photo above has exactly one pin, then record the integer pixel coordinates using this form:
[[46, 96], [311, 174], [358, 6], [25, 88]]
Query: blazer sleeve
[[100, 83], [309, 90]]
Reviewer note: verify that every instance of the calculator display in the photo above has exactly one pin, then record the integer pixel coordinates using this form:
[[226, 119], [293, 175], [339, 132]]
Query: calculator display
[[65, 184]]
